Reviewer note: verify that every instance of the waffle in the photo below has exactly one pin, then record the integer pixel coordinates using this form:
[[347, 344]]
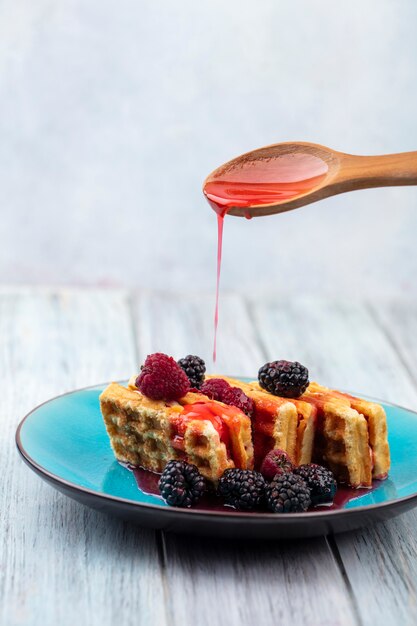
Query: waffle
[[350, 435], [149, 433], [279, 423], [375, 417], [342, 440], [347, 434]]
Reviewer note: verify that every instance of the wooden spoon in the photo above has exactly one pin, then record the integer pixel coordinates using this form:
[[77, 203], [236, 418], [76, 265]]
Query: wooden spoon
[[286, 176]]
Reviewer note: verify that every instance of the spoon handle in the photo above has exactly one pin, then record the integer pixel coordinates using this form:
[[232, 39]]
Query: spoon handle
[[362, 172]]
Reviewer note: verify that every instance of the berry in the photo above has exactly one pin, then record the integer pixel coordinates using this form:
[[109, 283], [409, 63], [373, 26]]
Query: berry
[[214, 388], [284, 378], [220, 390], [235, 397], [320, 480], [243, 489], [288, 493], [195, 369], [275, 463], [161, 378], [181, 484]]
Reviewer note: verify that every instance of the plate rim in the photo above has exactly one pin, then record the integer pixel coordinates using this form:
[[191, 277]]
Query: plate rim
[[320, 515]]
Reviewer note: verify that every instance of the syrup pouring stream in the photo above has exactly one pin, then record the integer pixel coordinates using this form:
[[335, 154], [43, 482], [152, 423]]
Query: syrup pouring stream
[[220, 223]]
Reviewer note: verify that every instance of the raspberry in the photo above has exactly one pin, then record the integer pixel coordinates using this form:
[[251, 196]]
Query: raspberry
[[220, 390], [275, 463], [195, 368], [284, 378], [320, 480], [288, 493], [235, 397], [181, 484], [161, 378], [214, 388], [243, 489]]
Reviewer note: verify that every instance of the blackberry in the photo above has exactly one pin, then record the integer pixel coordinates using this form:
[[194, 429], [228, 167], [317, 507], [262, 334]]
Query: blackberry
[[276, 462], [288, 493], [284, 378], [195, 369], [181, 484], [320, 480], [243, 489]]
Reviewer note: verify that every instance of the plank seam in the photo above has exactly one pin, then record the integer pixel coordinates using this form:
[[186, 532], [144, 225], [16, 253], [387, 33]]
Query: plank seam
[[391, 340], [162, 557], [334, 550], [159, 536]]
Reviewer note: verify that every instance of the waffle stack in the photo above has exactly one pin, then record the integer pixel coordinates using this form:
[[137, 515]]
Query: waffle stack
[[279, 423], [347, 434], [149, 433], [352, 426]]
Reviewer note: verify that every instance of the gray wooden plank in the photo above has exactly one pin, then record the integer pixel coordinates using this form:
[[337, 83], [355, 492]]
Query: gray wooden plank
[[398, 320], [214, 581], [62, 563], [344, 347], [218, 581], [339, 342]]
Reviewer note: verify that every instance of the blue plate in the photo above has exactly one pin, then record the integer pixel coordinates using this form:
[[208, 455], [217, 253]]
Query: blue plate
[[64, 441]]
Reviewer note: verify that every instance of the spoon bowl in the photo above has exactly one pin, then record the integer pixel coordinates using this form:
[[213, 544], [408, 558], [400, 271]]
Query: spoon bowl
[[285, 176]]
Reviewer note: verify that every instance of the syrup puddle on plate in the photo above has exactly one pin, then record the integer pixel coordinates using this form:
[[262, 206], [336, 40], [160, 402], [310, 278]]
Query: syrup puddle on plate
[[255, 182], [147, 482]]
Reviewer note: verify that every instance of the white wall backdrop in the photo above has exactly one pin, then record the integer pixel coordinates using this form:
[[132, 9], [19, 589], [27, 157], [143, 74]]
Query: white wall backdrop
[[112, 114]]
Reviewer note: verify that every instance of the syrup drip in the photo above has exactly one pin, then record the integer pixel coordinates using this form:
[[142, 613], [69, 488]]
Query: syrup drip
[[257, 182], [207, 411], [220, 223], [225, 419]]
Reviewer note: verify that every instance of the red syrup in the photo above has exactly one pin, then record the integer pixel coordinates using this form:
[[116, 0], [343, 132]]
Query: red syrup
[[147, 482], [344, 495], [220, 222], [258, 181], [206, 411]]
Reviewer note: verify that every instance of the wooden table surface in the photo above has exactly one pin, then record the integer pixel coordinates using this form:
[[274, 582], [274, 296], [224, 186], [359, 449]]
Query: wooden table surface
[[63, 564]]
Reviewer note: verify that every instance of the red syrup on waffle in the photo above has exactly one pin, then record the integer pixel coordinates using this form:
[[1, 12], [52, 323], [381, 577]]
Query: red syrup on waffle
[[258, 182], [147, 482]]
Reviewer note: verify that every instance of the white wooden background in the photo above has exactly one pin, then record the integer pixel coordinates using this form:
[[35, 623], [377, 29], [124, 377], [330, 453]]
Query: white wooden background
[[112, 114], [61, 563]]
